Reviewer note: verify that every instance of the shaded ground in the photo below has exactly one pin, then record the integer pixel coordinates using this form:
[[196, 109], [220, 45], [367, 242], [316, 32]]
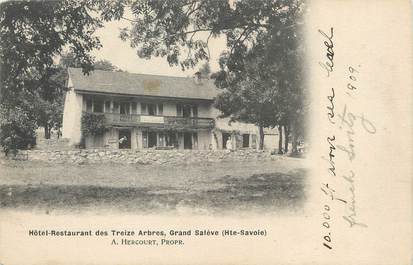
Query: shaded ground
[[211, 188]]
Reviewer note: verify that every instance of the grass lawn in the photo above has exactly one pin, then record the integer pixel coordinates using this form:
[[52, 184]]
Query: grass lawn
[[210, 188]]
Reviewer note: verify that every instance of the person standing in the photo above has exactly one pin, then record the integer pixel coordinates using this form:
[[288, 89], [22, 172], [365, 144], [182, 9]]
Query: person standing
[[228, 144]]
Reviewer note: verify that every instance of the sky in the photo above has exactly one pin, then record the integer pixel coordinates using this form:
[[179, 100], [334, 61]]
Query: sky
[[120, 53]]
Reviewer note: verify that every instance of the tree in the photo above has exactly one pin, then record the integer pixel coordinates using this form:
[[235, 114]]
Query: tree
[[205, 70], [32, 33], [48, 101], [180, 31], [250, 97], [68, 60], [49, 105], [93, 124], [280, 52], [17, 130]]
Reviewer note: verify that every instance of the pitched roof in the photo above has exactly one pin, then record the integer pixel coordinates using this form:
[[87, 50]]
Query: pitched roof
[[141, 84]]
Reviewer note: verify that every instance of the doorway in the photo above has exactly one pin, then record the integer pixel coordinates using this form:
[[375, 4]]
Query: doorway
[[245, 140], [187, 140], [225, 137], [124, 139], [152, 139]]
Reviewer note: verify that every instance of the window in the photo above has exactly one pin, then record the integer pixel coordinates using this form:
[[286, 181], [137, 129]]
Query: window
[[107, 106], [186, 111], [245, 140], [195, 111], [144, 109], [98, 105], [115, 107], [225, 138], [187, 140], [89, 105], [152, 141], [195, 140], [124, 108], [151, 109], [160, 109], [179, 110], [171, 139], [134, 108], [161, 140]]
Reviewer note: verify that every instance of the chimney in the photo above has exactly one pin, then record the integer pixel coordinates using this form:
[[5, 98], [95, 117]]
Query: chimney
[[197, 78]]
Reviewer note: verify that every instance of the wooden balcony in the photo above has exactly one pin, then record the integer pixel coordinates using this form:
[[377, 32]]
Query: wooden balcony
[[166, 122], [181, 122], [122, 119]]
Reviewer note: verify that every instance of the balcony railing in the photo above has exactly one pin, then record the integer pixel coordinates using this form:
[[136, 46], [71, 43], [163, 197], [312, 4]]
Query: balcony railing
[[169, 122], [189, 122], [114, 118]]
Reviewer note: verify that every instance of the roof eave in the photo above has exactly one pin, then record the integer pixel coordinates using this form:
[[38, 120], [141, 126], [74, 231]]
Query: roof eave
[[84, 91]]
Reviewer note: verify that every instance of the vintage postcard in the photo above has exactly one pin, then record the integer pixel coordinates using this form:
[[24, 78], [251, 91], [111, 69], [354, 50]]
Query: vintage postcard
[[206, 132]]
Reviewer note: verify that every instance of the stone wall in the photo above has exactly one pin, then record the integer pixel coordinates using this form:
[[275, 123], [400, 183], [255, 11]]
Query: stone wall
[[52, 144], [145, 157]]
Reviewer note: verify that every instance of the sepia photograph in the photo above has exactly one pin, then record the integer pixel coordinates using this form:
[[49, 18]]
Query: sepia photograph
[[153, 106], [224, 132]]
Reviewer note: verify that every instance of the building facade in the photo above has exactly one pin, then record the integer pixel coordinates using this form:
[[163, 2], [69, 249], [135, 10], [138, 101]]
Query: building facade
[[149, 111]]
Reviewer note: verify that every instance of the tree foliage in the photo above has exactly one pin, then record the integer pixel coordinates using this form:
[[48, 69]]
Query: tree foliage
[[93, 124], [68, 59], [261, 73], [17, 130], [260, 76], [48, 101], [205, 70], [32, 34]]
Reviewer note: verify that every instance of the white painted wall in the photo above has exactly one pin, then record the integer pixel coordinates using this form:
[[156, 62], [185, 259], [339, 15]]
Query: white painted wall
[[223, 124], [72, 115], [134, 138], [204, 110], [169, 109], [204, 140]]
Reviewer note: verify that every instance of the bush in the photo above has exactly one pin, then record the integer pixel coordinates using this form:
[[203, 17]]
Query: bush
[[17, 130], [93, 124]]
